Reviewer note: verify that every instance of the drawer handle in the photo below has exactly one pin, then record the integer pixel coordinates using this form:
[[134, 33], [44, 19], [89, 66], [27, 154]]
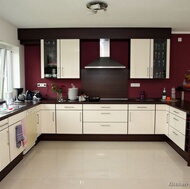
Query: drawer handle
[[3, 125], [105, 125], [69, 107], [8, 137], [105, 113], [141, 106], [176, 112], [175, 133], [105, 106], [175, 119]]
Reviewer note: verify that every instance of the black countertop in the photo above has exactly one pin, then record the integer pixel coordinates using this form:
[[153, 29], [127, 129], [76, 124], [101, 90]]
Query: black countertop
[[181, 105]]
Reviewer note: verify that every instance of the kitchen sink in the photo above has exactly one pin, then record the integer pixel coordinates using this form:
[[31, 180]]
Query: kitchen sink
[[10, 109]]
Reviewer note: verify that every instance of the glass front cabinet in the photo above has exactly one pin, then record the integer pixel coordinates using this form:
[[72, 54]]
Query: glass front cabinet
[[150, 58], [60, 58]]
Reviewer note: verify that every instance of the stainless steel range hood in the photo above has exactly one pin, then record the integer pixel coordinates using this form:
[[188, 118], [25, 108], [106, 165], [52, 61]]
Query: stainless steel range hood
[[105, 61]]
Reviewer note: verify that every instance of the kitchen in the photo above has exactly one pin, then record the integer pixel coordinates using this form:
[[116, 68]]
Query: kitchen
[[178, 67]]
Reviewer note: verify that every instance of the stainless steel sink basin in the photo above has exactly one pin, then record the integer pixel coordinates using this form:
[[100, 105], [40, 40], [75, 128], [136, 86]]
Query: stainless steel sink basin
[[10, 109]]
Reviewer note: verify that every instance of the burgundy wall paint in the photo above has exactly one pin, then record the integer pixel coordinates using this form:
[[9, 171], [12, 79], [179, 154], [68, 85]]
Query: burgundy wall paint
[[179, 64]]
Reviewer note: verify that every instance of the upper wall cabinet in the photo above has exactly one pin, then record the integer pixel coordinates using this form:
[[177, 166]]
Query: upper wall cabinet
[[149, 58], [60, 58]]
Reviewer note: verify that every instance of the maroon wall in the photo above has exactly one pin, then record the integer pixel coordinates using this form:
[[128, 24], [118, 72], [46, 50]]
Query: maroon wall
[[179, 64]]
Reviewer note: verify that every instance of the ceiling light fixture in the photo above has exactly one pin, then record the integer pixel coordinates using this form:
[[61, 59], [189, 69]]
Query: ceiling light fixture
[[95, 6]]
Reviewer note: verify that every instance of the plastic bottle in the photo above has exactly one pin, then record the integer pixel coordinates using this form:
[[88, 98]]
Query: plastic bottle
[[173, 93], [164, 94]]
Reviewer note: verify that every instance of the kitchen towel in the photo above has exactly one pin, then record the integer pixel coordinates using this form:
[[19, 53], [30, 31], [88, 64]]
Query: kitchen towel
[[19, 135], [24, 132]]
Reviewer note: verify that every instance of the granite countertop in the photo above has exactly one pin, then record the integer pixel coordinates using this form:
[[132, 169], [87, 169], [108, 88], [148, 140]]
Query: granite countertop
[[181, 105]]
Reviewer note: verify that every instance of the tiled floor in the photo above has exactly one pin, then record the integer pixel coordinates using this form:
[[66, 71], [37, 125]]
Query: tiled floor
[[99, 165]]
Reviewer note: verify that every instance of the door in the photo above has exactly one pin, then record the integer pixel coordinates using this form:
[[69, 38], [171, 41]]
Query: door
[[70, 58], [4, 148], [69, 122], [140, 58], [14, 150], [141, 122], [48, 121]]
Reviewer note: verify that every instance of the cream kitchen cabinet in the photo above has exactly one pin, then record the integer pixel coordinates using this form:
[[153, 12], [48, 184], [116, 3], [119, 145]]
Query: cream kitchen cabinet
[[69, 64], [38, 120], [149, 58], [31, 128], [14, 121], [69, 118], [177, 127], [141, 119], [60, 58], [48, 118], [4, 144], [105, 119], [162, 119]]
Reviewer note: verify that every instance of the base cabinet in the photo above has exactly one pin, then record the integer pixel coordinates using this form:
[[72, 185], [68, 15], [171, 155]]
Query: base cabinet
[[177, 127], [141, 119], [4, 144], [14, 121], [69, 119], [162, 119], [48, 118], [105, 119], [14, 150]]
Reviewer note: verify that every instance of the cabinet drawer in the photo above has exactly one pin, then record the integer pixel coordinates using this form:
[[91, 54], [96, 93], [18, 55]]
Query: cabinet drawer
[[142, 107], [68, 106], [162, 107], [17, 117], [47, 106], [105, 116], [105, 107], [38, 108], [177, 137], [3, 124], [177, 112], [105, 128], [178, 123]]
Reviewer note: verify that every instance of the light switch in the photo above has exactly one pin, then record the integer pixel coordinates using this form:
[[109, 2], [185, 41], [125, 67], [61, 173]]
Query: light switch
[[135, 84]]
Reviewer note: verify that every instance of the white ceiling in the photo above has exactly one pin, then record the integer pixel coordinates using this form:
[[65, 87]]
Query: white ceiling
[[120, 13]]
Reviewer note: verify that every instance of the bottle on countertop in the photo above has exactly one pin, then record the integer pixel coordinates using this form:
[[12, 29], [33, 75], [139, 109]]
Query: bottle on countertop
[[164, 94], [173, 93]]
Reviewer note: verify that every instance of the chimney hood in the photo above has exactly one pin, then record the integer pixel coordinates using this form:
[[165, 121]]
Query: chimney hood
[[105, 61]]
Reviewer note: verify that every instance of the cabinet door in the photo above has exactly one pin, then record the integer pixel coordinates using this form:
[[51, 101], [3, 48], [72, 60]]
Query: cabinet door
[[14, 151], [70, 58], [161, 124], [141, 122], [69, 122], [39, 123], [49, 57], [4, 148], [161, 57], [48, 121], [140, 58]]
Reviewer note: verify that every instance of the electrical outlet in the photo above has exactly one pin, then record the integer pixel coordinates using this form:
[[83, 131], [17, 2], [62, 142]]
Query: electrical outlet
[[135, 84], [41, 84]]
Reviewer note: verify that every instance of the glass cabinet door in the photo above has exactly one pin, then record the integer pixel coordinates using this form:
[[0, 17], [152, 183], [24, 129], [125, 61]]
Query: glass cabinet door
[[159, 58], [50, 58]]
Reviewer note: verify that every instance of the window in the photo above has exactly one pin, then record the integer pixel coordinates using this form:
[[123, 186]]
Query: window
[[6, 81]]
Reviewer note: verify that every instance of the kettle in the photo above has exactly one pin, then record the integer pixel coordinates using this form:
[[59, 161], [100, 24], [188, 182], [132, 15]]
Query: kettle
[[142, 95]]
